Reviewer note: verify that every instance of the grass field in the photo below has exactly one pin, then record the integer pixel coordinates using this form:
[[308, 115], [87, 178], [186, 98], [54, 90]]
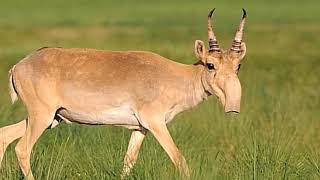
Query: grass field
[[276, 136]]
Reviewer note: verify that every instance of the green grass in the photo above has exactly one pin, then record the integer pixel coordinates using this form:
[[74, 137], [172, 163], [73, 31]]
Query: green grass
[[276, 136]]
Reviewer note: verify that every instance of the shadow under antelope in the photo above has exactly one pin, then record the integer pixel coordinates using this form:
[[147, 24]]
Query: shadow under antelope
[[139, 90]]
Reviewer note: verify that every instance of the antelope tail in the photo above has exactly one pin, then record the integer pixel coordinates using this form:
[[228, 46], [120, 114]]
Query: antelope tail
[[12, 89]]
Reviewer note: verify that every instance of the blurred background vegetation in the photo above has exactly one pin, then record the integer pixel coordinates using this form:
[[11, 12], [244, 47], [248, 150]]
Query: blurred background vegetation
[[276, 136]]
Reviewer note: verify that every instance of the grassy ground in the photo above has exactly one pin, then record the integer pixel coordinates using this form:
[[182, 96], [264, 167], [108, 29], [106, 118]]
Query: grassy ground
[[276, 136]]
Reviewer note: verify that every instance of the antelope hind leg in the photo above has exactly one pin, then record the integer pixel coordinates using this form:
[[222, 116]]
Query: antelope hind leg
[[38, 122], [10, 133]]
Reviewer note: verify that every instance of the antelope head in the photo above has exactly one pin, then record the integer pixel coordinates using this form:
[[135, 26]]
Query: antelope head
[[220, 76]]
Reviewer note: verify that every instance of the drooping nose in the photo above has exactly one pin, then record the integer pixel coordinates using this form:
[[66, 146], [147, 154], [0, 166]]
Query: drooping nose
[[233, 95]]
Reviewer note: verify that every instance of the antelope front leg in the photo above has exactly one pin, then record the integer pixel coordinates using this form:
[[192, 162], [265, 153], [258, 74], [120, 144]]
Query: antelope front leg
[[161, 133], [135, 143]]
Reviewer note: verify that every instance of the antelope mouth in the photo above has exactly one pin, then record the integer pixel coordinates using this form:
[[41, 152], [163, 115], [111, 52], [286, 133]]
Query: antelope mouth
[[233, 112]]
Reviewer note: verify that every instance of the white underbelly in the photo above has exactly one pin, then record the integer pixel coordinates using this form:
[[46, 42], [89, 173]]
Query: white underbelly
[[122, 116]]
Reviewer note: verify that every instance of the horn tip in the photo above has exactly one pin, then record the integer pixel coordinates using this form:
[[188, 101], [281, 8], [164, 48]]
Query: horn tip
[[244, 13], [211, 12]]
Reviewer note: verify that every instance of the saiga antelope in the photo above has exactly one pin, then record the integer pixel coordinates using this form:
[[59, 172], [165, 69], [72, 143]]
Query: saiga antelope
[[142, 91]]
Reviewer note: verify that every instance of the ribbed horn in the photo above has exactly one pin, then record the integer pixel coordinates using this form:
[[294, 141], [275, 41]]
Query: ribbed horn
[[236, 44], [213, 43]]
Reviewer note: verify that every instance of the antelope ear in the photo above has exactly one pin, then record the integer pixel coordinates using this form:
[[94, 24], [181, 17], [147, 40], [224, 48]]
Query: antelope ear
[[240, 54], [200, 50], [243, 50]]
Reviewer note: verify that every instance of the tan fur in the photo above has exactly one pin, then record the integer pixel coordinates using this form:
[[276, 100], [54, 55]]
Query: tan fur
[[138, 90]]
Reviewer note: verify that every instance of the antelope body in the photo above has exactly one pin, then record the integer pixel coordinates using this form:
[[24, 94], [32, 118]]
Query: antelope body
[[139, 90]]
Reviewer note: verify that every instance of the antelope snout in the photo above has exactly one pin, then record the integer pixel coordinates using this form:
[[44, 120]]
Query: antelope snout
[[233, 95], [232, 109]]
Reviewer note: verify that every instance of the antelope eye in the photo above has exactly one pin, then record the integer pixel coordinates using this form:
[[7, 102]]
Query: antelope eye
[[239, 66], [210, 66]]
